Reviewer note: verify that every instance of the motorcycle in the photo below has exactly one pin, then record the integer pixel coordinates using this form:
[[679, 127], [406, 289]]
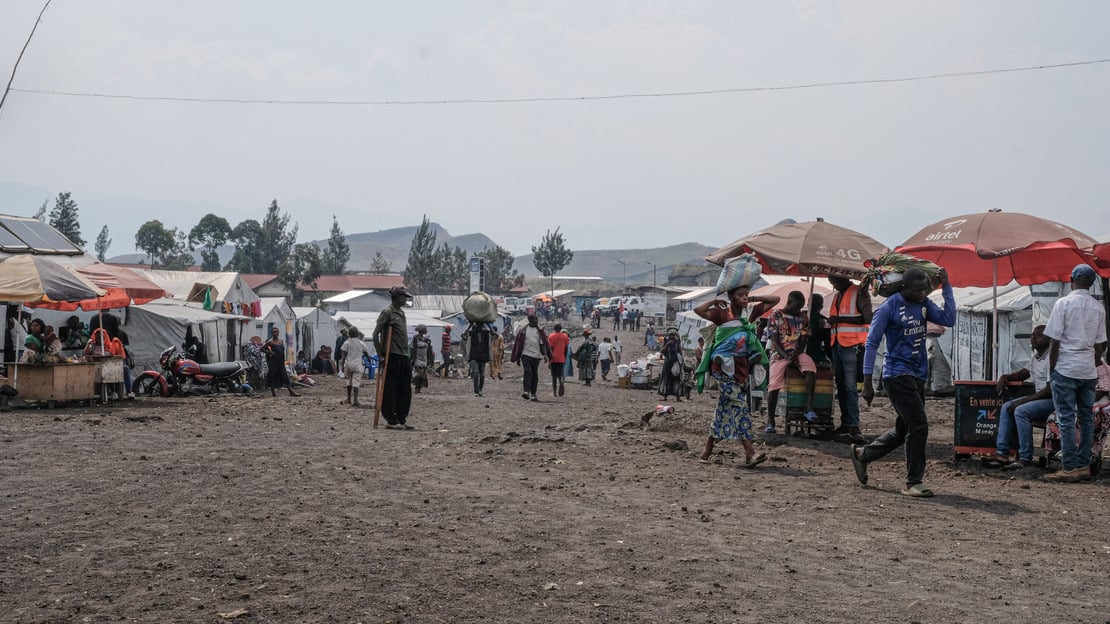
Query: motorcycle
[[183, 376]]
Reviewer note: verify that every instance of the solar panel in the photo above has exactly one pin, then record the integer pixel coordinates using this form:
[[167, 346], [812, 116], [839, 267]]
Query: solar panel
[[10, 242], [38, 236]]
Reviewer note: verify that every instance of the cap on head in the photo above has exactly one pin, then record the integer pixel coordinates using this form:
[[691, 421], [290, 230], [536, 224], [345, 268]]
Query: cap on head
[[399, 291], [1083, 273]]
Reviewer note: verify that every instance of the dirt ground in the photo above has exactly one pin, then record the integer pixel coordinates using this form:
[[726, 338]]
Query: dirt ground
[[496, 509]]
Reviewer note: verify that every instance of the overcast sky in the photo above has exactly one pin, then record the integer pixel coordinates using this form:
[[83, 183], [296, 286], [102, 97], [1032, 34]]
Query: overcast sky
[[624, 173]]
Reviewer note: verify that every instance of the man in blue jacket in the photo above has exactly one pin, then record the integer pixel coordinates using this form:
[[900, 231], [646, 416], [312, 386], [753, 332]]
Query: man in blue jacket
[[901, 319]]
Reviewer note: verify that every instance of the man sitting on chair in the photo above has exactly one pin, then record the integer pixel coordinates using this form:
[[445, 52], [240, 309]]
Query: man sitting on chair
[[1023, 412]]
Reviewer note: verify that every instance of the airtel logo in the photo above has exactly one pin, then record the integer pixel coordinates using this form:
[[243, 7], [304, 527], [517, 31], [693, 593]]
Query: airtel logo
[[948, 234]]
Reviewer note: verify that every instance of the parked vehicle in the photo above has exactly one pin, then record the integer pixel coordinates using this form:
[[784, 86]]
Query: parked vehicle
[[516, 305], [182, 376]]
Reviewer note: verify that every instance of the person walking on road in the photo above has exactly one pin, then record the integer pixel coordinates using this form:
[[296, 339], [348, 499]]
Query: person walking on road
[[478, 340], [557, 343], [350, 358], [901, 320], [529, 346]]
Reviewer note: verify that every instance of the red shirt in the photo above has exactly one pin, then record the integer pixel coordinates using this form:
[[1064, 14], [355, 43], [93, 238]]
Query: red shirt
[[558, 341]]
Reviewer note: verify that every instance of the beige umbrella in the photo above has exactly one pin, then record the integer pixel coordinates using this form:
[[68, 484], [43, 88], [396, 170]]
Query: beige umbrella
[[29, 278], [808, 248]]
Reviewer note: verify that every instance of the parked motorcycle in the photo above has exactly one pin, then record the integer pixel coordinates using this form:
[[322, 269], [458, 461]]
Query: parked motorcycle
[[183, 376]]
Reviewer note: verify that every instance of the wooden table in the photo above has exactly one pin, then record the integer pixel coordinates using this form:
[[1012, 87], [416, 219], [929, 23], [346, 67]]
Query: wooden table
[[54, 382]]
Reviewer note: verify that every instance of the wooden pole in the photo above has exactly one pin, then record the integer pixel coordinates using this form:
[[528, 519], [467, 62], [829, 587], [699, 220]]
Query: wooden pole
[[383, 368]]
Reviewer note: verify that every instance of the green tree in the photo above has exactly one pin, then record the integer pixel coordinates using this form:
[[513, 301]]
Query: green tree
[[209, 234], [551, 255], [452, 271], [277, 239], [421, 268], [178, 258], [103, 244], [247, 237], [497, 268], [301, 268], [379, 265], [64, 219], [155, 240], [338, 253]]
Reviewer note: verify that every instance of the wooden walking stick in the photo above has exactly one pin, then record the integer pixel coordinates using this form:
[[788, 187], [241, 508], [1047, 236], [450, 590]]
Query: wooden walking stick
[[383, 368]]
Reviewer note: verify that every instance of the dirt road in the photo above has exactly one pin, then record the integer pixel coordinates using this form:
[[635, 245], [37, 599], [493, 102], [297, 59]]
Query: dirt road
[[498, 509]]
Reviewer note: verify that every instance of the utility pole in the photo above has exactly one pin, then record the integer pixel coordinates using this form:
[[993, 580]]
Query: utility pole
[[624, 275], [652, 273]]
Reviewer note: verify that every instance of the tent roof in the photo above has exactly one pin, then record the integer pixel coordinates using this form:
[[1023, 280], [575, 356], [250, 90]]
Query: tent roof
[[446, 304], [269, 303], [554, 293], [696, 293], [229, 285], [366, 321], [307, 312], [188, 312], [348, 296]]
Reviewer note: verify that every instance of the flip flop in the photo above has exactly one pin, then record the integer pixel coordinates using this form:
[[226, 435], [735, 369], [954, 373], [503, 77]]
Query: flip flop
[[861, 468], [811, 416], [917, 490], [752, 462]]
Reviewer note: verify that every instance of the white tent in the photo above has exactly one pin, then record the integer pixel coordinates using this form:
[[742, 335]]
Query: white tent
[[315, 328], [163, 323], [967, 348], [366, 321], [689, 328], [228, 288]]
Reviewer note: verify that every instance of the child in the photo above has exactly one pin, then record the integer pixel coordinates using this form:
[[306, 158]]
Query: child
[[350, 355]]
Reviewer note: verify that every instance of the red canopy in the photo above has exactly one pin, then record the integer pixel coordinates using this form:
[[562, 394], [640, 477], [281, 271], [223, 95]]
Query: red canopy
[[122, 285]]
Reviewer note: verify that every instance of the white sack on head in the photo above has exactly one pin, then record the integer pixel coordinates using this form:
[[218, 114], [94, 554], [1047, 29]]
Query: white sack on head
[[479, 307], [743, 270]]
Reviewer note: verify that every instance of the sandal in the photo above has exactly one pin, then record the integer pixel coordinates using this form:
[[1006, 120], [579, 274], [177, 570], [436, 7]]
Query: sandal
[[769, 429], [917, 490], [861, 468], [755, 460], [995, 459], [811, 416]]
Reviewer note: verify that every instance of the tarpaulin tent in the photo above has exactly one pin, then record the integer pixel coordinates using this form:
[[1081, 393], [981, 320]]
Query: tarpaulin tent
[[223, 291], [315, 328], [967, 347], [163, 323], [366, 321]]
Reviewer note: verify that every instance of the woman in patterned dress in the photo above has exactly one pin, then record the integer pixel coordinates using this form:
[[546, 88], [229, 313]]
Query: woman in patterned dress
[[732, 420]]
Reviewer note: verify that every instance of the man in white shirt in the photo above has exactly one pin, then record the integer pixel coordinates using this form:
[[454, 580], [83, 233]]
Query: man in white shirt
[[350, 361], [1077, 328], [605, 357], [1019, 414]]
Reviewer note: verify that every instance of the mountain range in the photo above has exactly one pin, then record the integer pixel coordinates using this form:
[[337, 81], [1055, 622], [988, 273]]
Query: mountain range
[[637, 267], [394, 246]]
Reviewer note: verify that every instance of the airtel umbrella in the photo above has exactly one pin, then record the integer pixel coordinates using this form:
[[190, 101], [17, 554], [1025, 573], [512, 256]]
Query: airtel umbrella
[[807, 248], [996, 247]]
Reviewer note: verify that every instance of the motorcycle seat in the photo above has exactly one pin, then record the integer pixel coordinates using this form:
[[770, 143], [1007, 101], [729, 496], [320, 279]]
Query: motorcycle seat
[[220, 369]]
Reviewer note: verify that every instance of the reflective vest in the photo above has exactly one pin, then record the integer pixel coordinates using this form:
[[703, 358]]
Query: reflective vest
[[848, 328]]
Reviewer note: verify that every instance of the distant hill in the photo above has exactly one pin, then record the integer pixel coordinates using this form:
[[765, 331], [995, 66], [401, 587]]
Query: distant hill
[[394, 246], [636, 269]]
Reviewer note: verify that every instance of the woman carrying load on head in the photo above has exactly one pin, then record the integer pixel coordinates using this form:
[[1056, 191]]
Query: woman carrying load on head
[[728, 361]]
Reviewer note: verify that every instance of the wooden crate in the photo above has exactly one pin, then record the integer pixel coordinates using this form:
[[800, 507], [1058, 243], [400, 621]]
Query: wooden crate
[[54, 382]]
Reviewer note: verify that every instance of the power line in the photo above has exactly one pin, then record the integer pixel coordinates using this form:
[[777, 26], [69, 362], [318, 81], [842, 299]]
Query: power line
[[19, 58], [581, 98]]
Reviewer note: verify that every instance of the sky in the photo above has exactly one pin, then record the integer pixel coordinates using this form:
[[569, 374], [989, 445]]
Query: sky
[[884, 159]]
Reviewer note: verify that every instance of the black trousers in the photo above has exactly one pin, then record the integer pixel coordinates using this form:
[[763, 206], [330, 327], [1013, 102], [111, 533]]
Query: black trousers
[[531, 367], [397, 394]]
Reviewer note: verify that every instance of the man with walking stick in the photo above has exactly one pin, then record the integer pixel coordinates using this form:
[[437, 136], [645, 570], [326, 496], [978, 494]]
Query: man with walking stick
[[395, 382]]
